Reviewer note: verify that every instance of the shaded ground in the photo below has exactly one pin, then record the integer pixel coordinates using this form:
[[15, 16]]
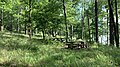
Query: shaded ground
[[18, 51]]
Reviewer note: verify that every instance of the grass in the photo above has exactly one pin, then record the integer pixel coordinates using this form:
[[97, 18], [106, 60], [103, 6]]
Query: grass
[[18, 51]]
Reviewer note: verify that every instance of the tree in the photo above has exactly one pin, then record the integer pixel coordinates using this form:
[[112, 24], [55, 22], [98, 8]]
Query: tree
[[1, 21], [2, 15], [113, 30], [65, 19], [96, 20], [117, 27], [30, 22]]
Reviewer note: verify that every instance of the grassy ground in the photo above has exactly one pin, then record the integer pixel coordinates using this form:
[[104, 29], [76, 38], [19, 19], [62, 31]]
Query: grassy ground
[[18, 51]]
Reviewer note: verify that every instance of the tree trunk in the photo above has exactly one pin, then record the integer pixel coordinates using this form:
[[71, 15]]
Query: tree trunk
[[117, 25], [107, 27], [25, 27], [65, 18], [112, 24], [71, 31], [19, 28], [43, 31], [88, 28], [96, 21], [1, 21], [30, 22], [93, 33], [101, 39], [53, 33], [82, 36], [11, 23]]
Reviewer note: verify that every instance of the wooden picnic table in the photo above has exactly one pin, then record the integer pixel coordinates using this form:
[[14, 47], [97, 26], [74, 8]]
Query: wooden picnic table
[[77, 44]]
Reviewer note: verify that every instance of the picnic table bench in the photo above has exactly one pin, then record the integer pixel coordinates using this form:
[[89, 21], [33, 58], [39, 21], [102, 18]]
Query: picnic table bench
[[77, 44], [58, 39]]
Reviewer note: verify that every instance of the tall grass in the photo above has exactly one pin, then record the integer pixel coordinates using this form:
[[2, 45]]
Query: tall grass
[[19, 51]]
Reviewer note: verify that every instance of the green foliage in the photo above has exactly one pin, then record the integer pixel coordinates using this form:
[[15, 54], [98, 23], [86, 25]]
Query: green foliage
[[48, 19]]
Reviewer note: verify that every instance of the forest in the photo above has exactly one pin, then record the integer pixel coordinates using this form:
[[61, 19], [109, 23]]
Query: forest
[[59, 33]]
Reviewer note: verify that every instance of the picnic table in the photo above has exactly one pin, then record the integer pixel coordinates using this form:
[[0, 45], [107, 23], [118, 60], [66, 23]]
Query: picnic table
[[58, 39], [76, 44]]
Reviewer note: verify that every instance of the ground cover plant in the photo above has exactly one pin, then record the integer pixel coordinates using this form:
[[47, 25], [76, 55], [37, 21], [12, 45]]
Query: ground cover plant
[[20, 51]]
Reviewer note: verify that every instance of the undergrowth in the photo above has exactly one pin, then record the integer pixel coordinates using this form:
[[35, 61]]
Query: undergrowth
[[19, 51]]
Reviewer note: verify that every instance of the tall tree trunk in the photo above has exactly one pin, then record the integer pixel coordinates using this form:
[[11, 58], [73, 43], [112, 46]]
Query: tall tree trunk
[[30, 22], [11, 24], [65, 18], [20, 28], [107, 27], [25, 27], [93, 33], [17, 29], [96, 20], [71, 32], [1, 22], [82, 36], [101, 38], [117, 25], [112, 24], [88, 28], [83, 18], [43, 31]]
